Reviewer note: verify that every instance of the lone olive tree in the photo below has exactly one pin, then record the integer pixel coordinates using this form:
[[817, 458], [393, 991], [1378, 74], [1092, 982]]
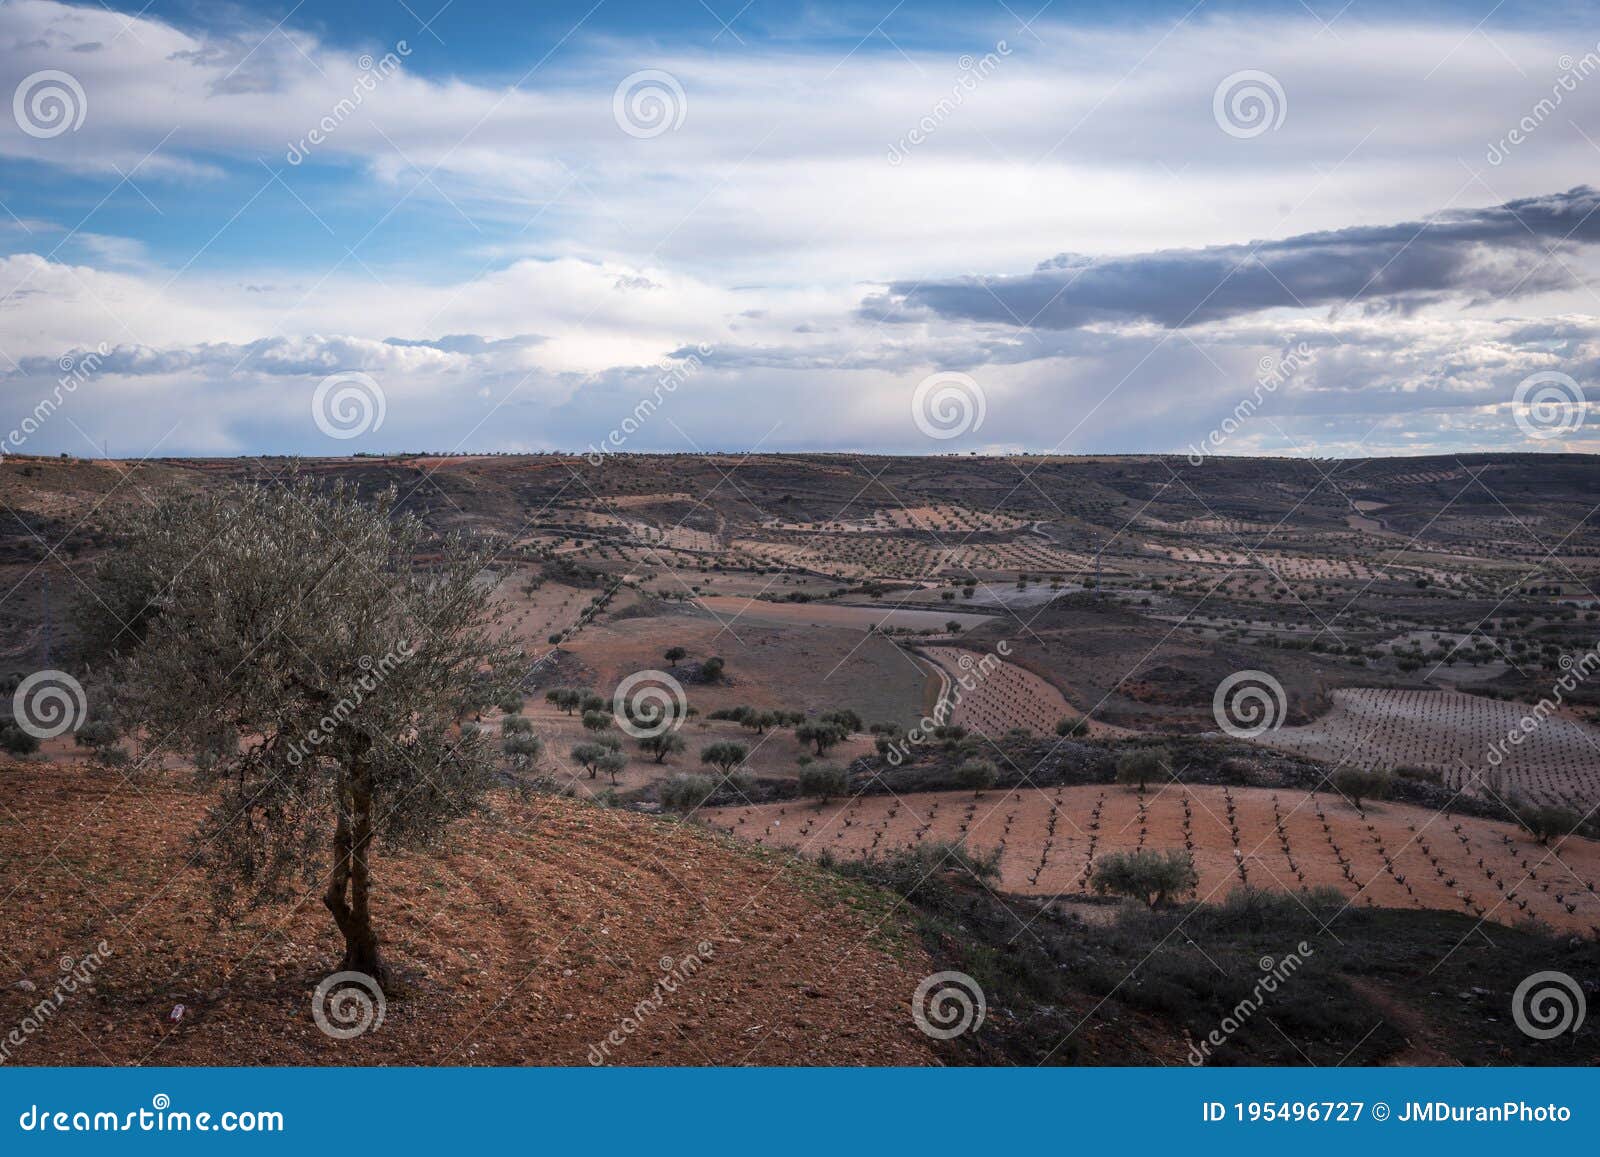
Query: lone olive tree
[[283, 636]]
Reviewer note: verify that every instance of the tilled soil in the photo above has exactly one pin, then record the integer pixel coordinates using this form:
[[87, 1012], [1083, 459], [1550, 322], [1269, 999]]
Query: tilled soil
[[1392, 856], [554, 933]]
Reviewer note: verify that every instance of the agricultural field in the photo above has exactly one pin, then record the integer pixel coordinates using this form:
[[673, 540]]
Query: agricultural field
[[1474, 744], [1051, 839], [878, 671]]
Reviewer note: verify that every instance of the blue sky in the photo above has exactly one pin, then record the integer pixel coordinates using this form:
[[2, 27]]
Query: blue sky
[[797, 226]]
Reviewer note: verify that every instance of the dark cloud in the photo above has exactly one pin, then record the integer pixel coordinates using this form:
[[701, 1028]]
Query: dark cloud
[[1469, 254]]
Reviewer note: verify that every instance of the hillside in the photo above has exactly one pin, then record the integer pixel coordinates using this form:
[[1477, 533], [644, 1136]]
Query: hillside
[[526, 942]]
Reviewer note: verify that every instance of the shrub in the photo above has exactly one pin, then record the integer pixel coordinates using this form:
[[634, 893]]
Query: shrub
[[1357, 784], [521, 747], [922, 872], [823, 781], [977, 774], [1072, 727], [1149, 876], [711, 670], [97, 734], [675, 654], [17, 741], [685, 792]]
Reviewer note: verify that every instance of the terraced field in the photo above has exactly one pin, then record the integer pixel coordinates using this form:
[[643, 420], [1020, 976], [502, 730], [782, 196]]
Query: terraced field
[[1466, 738], [1391, 856]]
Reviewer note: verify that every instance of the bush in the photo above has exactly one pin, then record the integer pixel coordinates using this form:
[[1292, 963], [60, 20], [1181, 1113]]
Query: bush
[[521, 747], [685, 792], [1147, 876], [823, 781], [17, 741], [1137, 768], [922, 872], [1357, 784], [977, 774], [711, 670], [1072, 727]]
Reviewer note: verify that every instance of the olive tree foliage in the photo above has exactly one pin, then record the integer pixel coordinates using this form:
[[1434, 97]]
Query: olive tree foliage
[[281, 637]]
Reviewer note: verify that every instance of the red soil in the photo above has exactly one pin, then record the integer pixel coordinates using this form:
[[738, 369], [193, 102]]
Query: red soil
[[1394, 856], [526, 940]]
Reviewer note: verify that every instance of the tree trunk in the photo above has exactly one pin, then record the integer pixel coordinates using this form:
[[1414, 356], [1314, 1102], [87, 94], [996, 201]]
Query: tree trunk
[[349, 887]]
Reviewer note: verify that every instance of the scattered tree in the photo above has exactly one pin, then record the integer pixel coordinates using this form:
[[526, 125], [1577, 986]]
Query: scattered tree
[[290, 617], [1149, 876], [823, 781], [977, 774]]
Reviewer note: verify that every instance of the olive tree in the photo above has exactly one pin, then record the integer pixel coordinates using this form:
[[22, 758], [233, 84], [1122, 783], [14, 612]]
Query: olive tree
[[281, 636]]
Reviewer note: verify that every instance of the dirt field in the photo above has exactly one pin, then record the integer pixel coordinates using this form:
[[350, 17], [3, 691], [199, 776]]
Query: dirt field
[[527, 942], [1557, 762], [1394, 856]]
